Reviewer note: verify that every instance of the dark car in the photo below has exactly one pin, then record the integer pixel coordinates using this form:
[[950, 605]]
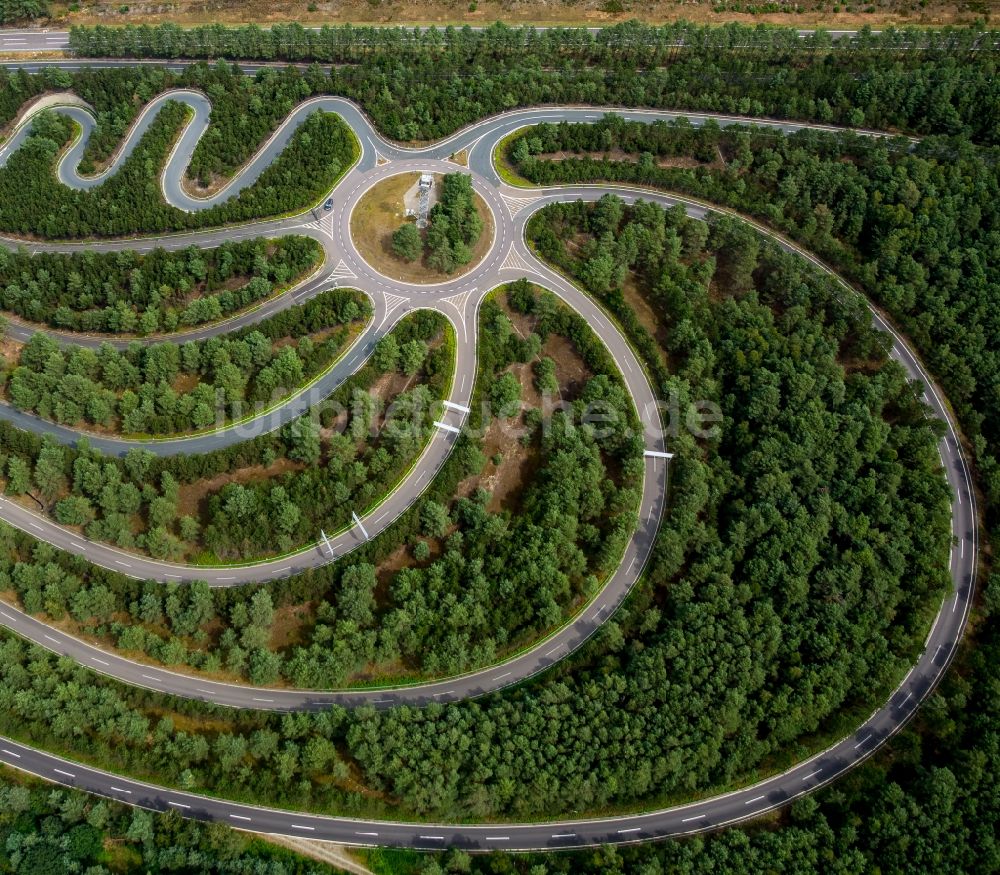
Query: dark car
[[329, 204]]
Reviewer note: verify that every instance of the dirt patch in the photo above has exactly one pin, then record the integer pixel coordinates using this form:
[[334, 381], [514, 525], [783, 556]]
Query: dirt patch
[[510, 463], [461, 157], [645, 312], [184, 383], [684, 161], [325, 852], [191, 495], [380, 212], [290, 625], [10, 353], [590, 12], [194, 187]]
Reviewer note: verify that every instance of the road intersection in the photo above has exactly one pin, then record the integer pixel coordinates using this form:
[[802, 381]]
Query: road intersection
[[509, 258]]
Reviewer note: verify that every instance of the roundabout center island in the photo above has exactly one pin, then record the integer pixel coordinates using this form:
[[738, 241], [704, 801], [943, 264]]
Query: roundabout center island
[[422, 227]]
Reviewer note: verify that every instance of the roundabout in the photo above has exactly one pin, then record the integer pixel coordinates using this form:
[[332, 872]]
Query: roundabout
[[393, 202], [458, 298]]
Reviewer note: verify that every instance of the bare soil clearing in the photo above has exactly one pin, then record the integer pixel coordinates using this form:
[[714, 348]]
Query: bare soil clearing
[[592, 13]]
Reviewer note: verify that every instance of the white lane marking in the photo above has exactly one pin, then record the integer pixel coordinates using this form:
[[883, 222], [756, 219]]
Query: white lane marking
[[149, 677], [622, 832], [121, 790], [553, 650], [498, 838], [564, 835], [373, 834], [940, 647], [433, 838], [36, 526], [500, 677], [123, 564], [863, 741], [10, 753], [227, 578], [262, 700], [812, 775], [177, 804], [100, 661], [239, 817], [78, 546], [50, 638], [63, 772], [695, 817], [202, 690], [8, 617], [299, 826], [955, 605], [755, 799], [906, 699]]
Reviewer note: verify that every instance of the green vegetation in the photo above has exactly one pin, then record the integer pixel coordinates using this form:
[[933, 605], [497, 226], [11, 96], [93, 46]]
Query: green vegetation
[[454, 228], [917, 229], [128, 292], [18, 10], [58, 831], [165, 388], [806, 547], [436, 616], [921, 805], [33, 201], [285, 486], [423, 84], [407, 242]]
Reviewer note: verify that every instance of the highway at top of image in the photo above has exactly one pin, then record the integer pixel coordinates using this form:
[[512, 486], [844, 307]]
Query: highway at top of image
[[58, 40], [509, 258]]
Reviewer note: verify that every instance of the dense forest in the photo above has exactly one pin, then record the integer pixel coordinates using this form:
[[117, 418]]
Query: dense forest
[[59, 831], [33, 201], [165, 388], [788, 621], [927, 804], [918, 229], [18, 10], [546, 551], [285, 486], [454, 228], [698, 679], [129, 292], [419, 84]]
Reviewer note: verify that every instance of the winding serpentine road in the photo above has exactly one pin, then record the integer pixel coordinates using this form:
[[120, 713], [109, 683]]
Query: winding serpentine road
[[459, 299]]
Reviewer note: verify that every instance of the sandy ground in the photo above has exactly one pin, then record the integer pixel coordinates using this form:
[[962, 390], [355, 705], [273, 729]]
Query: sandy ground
[[588, 12]]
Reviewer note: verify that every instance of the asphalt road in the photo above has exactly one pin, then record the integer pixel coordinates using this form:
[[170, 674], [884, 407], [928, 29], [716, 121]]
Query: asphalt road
[[509, 258], [16, 41]]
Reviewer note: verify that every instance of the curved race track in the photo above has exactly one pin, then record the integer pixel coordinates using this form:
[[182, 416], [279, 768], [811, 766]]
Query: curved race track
[[459, 299]]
